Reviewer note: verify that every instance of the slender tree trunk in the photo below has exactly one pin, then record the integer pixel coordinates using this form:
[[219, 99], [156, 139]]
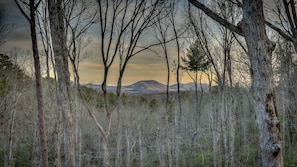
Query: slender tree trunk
[[35, 153], [77, 120], [77, 126], [108, 111], [196, 100], [232, 131], [40, 103], [104, 89], [260, 53], [218, 127], [118, 160], [140, 147], [213, 126], [225, 133], [167, 106], [10, 138], [56, 15], [128, 156], [106, 162], [178, 114], [169, 143]]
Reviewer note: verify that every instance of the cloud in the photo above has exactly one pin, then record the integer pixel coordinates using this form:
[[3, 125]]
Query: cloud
[[143, 66]]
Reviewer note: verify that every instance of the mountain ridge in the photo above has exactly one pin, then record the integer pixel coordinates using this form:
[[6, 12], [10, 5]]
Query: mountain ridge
[[150, 87]]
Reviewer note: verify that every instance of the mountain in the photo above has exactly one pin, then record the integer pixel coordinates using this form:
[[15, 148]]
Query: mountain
[[149, 87], [144, 87]]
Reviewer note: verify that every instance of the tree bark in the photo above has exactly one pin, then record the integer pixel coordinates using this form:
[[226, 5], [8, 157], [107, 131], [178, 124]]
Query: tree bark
[[40, 104], [63, 78], [128, 156], [232, 131], [105, 144], [141, 156], [10, 138], [260, 50]]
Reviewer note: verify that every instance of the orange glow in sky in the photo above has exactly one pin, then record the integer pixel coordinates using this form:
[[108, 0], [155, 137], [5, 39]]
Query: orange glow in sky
[[145, 66]]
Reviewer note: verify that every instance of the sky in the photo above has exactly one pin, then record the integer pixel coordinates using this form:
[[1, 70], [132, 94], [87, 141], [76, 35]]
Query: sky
[[145, 66]]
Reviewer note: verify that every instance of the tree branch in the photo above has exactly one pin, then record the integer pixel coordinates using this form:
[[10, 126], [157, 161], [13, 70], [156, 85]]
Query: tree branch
[[281, 32], [22, 10], [232, 27], [216, 17]]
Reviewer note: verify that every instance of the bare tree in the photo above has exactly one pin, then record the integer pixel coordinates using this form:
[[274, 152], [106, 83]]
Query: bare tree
[[168, 33], [178, 114], [284, 20], [79, 17], [260, 49], [43, 26], [122, 25], [220, 69], [32, 6], [58, 34], [161, 34]]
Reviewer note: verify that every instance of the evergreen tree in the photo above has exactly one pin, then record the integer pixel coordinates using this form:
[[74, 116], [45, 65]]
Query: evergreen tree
[[195, 59]]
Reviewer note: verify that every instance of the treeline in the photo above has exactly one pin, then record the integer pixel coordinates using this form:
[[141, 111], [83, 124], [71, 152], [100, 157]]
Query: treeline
[[143, 132]]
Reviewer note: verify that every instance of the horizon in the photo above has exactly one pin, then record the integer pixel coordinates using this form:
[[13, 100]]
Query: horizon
[[170, 84]]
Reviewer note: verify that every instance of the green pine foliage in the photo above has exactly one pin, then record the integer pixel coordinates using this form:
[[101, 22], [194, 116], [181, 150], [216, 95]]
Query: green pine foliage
[[195, 59]]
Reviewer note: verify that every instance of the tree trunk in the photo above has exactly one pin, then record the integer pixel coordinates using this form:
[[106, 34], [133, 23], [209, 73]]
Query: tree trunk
[[213, 126], [196, 100], [225, 132], [118, 160], [219, 122], [140, 146], [178, 113], [11, 131], [77, 128], [40, 103], [128, 156], [63, 78], [105, 144], [232, 131], [260, 52]]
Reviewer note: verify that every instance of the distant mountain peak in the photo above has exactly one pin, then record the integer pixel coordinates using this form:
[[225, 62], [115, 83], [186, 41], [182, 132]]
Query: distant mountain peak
[[145, 85], [147, 82]]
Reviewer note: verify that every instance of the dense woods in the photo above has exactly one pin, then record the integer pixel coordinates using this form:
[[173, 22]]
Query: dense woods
[[243, 52]]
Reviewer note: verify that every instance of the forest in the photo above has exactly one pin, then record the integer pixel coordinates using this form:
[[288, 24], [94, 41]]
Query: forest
[[243, 51]]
